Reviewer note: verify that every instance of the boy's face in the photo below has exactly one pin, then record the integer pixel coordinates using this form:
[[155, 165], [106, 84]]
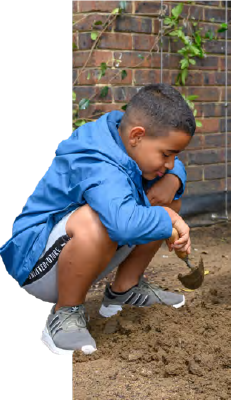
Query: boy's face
[[154, 155]]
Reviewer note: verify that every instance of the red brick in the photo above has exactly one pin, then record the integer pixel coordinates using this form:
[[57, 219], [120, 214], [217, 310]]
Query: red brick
[[116, 41], [212, 109], [217, 14], [216, 140], [106, 79], [196, 142], [195, 12], [146, 77], [209, 63], [92, 93], [86, 23], [209, 3], [217, 47], [74, 7], [223, 94], [215, 78], [194, 173], [74, 75], [145, 42], [209, 125], [223, 3], [205, 156], [133, 24], [212, 26], [97, 57], [210, 186], [205, 94], [124, 94], [132, 59], [107, 41], [95, 110], [102, 6], [223, 123], [147, 7], [183, 156], [193, 79], [216, 171], [222, 65]]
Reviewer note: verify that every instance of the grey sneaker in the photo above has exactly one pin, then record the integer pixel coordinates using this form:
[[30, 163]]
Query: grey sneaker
[[66, 331], [142, 295]]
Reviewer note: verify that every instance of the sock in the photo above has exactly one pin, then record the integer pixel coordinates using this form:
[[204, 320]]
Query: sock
[[119, 293]]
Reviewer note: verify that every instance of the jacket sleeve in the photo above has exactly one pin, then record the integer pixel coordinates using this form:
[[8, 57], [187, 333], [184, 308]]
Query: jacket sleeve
[[180, 172], [126, 221]]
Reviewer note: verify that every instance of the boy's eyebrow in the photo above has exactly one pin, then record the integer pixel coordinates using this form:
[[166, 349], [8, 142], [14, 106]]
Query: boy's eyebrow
[[174, 151]]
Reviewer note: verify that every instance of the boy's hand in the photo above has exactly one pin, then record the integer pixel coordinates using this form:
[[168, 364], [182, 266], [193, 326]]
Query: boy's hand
[[183, 243], [163, 191]]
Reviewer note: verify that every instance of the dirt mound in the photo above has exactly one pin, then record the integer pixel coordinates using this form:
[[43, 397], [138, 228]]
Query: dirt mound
[[160, 352]]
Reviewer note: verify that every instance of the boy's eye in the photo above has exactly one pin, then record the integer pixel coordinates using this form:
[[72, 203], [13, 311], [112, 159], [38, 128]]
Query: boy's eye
[[165, 155]]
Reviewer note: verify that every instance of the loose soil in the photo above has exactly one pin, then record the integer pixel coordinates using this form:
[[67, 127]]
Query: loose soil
[[160, 352]]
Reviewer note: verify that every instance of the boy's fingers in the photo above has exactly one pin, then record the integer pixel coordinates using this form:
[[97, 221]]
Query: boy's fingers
[[183, 239]]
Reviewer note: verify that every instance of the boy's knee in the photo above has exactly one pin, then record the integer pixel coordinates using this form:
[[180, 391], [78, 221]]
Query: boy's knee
[[85, 223], [175, 205]]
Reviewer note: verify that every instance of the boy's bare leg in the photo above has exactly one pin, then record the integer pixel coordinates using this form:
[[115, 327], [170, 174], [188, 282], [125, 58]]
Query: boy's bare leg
[[130, 270], [84, 256]]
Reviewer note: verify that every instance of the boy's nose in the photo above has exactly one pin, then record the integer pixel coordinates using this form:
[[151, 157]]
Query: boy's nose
[[170, 163]]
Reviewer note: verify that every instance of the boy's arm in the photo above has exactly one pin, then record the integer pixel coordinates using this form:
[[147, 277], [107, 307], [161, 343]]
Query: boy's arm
[[180, 172], [168, 188], [126, 221]]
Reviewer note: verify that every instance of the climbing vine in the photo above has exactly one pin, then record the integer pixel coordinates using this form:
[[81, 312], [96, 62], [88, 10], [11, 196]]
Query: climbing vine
[[185, 31]]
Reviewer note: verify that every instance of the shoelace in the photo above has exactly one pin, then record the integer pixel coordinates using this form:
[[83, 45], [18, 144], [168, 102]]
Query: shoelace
[[80, 312], [153, 288]]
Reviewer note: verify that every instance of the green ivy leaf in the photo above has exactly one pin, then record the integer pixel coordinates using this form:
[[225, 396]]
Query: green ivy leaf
[[73, 96], [98, 23], [223, 28], [195, 113], [80, 122], [184, 63], [176, 11], [140, 56], [88, 75], [209, 34], [199, 124], [167, 21], [174, 33], [193, 62], [192, 97], [124, 107], [184, 75], [178, 79], [123, 74], [84, 104], [115, 11], [94, 35], [103, 68], [194, 50], [104, 91]]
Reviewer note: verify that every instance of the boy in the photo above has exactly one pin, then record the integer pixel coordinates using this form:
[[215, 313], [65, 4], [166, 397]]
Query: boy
[[110, 197]]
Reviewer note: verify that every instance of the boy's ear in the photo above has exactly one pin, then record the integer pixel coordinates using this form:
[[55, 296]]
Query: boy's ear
[[136, 134]]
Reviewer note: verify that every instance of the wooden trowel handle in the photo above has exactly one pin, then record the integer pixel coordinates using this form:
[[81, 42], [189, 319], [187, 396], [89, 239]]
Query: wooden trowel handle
[[172, 239]]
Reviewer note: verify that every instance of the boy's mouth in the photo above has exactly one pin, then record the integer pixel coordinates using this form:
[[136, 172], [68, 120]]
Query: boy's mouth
[[160, 174]]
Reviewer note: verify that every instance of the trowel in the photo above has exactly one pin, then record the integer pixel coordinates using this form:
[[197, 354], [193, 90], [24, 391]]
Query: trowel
[[195, 277]]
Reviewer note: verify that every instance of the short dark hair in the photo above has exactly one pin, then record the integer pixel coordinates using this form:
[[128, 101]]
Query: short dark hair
[[159, 108]]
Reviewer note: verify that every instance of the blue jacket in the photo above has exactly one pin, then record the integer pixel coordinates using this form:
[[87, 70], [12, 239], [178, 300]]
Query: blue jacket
[[93, 167]]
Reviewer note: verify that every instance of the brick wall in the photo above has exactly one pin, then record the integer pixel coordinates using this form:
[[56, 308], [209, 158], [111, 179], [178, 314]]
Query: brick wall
[[134, 33]]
